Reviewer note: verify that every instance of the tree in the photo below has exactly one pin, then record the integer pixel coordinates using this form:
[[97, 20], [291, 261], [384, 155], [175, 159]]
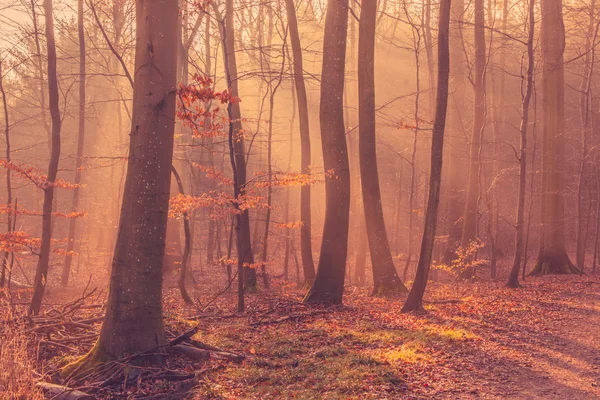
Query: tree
[[415, 296], [41, 273], [244, 243], [133, 322], [308, 265], [9, 199], [469, 232], [385, 277], [454, 179], [586, 112], [80, 142], [328, 287], [513, 280], [553, 257]]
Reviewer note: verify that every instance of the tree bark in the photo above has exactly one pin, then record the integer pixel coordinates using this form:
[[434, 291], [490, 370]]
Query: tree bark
[[134, 322], [328, 287], [187, 243], [80, 142], [385, 277], [455, 182], [415, 296], [308, 265], [553, 257], [586, 117], [245, 255], [41, 274], [469, 232], [8, 175], [513, 280]]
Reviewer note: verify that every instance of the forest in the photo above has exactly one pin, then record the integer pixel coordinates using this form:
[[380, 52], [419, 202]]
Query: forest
[[313, 199]]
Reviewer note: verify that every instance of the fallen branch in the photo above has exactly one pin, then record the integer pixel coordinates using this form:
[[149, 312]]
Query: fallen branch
[[57, 392], [192, 352]]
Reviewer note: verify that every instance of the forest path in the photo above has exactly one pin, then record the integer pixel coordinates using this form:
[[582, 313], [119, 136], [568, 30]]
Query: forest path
[[475, 341], [559, 359]]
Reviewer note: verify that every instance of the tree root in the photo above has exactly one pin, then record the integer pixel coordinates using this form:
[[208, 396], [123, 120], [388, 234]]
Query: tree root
[[554, 263]]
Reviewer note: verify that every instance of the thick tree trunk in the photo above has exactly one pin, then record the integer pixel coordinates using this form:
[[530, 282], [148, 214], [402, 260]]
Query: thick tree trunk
[[134, 320], [80, 141], [415, 296], [308, 265], [41, 273], [513, 280], [553, 257], [385, 277], [328, 287]]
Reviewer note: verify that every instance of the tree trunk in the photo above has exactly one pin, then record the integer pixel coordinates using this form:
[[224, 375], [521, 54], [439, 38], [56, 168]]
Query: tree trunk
[[553, 257], [328, 287], [455, 182], [41, 273], [80, 141], [586, 117], [8, 176], [187, 243], [308, 265], [385, 277], [513, 280], [134, 322], [245, 255], [471, 213], [415, 296]]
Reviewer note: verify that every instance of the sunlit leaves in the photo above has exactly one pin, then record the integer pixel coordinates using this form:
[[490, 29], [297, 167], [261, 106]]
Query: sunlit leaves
[[35, 175], [5, 209]]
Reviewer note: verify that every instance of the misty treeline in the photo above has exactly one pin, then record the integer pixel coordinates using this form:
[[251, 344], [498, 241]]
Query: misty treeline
[[323, 143]]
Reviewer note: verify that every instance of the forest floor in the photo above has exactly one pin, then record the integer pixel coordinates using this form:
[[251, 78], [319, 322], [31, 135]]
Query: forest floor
[[474, 341]]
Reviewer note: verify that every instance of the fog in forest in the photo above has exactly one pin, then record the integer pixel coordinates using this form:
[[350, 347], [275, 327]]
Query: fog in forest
[[166, 159]]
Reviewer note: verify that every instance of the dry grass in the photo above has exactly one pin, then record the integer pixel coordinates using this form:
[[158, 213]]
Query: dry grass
[[17, 376]]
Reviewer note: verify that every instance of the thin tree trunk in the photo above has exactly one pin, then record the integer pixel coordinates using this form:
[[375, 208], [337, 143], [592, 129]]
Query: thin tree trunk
[[471, 213], [245, 255], [270, 168], [40, 72], [415, 296], [187, 243], [41, 274], [455, 182], [413, 158], [80, 141], [328, 287], [9, 214], [585, 110], [308, 266], [513, 280], [385, 277]]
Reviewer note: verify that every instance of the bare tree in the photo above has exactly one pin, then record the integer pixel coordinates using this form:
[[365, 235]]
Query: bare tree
[[385, 277], [553, 257], [329, 283], [415, 296], [134, 320], [41, 273], [308, 266], [80, 141], [9, 199], [513, 280]]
